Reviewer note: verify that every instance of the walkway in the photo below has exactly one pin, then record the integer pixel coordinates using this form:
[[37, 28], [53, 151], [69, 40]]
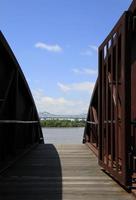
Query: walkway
[[60, 172]]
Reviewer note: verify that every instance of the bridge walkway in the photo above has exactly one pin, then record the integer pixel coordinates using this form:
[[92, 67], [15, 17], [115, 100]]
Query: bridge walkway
[[59, 172]]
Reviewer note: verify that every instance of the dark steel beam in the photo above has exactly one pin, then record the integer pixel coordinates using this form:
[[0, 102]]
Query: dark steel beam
[[19, 122]]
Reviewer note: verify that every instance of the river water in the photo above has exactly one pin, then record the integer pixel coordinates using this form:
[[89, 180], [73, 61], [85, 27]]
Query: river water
[[63, 135]]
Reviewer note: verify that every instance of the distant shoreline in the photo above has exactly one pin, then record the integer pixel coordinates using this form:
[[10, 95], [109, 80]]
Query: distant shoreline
[[62, 127], [62, 123]]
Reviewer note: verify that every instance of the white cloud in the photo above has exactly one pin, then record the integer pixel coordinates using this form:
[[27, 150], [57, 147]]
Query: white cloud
[[84, 86], [86, 53], [59, 105], [63, 87], [90, 50], [86, 71], [93, 47], [52, 48]]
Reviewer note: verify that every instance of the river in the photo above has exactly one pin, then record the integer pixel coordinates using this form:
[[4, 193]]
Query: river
[[63, 135]]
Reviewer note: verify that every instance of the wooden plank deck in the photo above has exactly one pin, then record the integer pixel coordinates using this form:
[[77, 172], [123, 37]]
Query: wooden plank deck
[[59, 172]]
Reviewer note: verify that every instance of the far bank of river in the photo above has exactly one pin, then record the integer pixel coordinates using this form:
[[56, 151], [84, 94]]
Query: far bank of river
[[62, 123], [63, 135]]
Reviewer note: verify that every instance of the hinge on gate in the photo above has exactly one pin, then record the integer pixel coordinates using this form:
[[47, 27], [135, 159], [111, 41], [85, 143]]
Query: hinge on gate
[[134, 163], [134, 24], [130, 160]]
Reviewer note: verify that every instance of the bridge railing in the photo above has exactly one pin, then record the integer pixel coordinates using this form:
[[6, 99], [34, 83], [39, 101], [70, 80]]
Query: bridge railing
[[91, 127]]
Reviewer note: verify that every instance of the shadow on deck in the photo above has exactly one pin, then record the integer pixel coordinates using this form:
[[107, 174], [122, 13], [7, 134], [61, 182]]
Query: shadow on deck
[[36, 176], [59, 172]]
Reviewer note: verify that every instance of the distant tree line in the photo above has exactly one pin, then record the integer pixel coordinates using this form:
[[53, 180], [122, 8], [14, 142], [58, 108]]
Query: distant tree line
[[62, 123]]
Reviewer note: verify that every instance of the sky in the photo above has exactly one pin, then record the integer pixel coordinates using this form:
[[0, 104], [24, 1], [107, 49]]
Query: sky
[[56, 44]]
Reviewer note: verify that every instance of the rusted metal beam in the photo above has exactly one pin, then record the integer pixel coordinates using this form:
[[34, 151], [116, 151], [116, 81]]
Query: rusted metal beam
[[116, 101]]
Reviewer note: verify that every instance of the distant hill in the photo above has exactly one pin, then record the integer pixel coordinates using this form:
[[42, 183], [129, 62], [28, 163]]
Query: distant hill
[[47, 115]]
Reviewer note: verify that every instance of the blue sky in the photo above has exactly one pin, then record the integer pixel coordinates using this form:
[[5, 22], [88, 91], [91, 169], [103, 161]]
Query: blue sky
[[55, 42]]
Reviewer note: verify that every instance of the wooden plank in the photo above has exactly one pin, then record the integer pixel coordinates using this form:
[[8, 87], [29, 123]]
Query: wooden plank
[[59, 172]]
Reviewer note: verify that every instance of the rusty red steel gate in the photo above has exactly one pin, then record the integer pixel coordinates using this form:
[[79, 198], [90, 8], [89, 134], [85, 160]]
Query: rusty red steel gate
[[111, 122]]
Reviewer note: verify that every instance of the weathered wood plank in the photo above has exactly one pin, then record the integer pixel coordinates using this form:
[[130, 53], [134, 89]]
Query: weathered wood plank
[[59, 172]]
